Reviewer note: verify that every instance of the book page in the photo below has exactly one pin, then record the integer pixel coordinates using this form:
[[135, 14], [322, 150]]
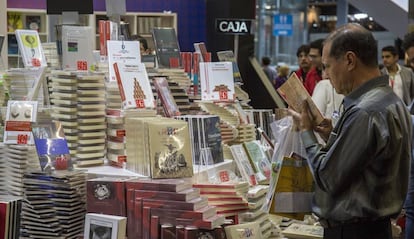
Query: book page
[[294, 93]]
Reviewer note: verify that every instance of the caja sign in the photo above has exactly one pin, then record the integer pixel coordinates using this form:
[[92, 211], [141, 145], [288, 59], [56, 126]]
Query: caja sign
[[234, 26]]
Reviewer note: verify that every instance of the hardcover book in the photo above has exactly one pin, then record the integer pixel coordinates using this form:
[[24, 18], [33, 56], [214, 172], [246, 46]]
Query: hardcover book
[[167, 47], [104, 226], [51, 146], [31, 48], [77, 48], [191, 205], [167, 100], [301, 231], [205, 133], [294, 93], [243, 164], [169, 148], [107, 196], [134, 86], [216, 79], [229, 56], [168, 185], [186, 195], [126, 52], [258, 160], [19, 116]]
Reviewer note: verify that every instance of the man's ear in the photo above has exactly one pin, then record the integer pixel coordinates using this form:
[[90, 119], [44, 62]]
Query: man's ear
[[351, 60]]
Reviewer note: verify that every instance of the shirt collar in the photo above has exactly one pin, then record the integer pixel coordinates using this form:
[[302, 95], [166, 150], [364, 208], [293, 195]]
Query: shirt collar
[[353, 97]]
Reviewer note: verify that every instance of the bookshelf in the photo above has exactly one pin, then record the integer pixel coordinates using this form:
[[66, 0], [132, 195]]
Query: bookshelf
[[140, 23], [32, 19]]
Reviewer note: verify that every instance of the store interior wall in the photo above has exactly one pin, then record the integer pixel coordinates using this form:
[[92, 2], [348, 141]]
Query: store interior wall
[[191, 15]]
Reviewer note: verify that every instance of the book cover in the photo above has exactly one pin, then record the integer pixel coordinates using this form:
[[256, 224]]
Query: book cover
[[19, 117], [167, 100], [126, 52], [216, 79], [107, 196], [31, 48], [259, 160], [294, 93], [205, 133], [77, 48], [169, 185], [170, 149], [51, 146], [104, 226], [14, 21], [33, 22], [134, 86], [166, 47], [243, 164], [229, 56]]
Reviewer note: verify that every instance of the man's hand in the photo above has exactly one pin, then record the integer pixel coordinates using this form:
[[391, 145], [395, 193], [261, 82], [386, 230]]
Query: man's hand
[[324, 129], [304, 119]]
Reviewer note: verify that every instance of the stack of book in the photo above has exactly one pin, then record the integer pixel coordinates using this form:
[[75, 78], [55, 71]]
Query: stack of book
[[16, 161], [53, 204], [205, 135], [65, 105], [159, 207], [113, 97], [256, 198], [228, 198], [91, 120], [178, 84], [158, 147], [78, 103], [51, 54], [10, 207], [115, 141], [247, 132]]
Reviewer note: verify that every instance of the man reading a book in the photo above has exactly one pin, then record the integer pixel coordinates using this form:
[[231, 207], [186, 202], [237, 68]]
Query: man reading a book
[[361, 174]]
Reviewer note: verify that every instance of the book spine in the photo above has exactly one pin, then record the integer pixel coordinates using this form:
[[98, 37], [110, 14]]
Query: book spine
[[190, 232], [167, 204], [146, 218], [119, 81], [179, 232], [164, 195], [102, 38], [154, 234], [167, 231]]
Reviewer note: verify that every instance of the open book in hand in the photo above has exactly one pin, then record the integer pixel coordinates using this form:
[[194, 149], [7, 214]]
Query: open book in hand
[[294, 93]]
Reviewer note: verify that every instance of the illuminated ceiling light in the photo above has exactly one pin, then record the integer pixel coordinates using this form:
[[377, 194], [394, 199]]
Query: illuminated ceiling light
[[360, 16]]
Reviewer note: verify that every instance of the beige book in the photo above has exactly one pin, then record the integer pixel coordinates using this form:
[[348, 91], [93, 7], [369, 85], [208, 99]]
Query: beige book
[[295, 94], [301, 231]]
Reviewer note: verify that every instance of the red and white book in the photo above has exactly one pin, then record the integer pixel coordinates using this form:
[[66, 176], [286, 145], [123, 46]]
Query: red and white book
[[134, 86], [216, 80]]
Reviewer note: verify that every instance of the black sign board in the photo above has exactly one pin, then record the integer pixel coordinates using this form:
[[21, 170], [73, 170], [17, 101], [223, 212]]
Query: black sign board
[[234, 26]]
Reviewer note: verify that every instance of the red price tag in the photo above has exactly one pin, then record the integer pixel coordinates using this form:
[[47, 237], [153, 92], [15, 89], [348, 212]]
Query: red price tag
[[82, 65], [22, 138], [140, 103], [223, 95], [61, 163], [36, 62], [224, 176]]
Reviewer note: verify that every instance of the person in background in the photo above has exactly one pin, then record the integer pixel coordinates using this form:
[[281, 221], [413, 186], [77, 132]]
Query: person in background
[[408, 46], [143, 44], [401, 78], [326, 99], [269, 70], [361, 174], [282, 76], [303, 60], [315, 73]]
